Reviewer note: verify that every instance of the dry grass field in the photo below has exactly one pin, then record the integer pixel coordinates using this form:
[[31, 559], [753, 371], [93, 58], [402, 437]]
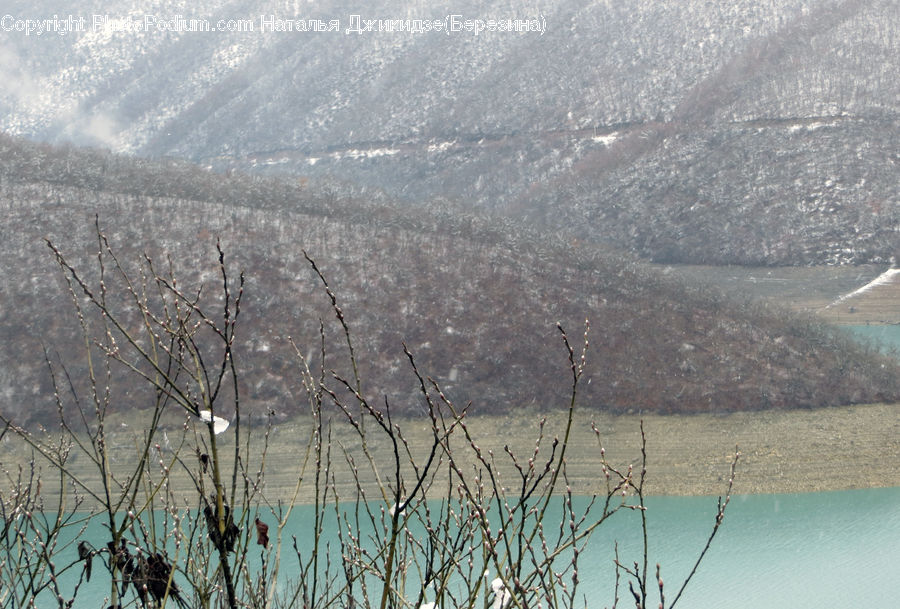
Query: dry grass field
[[781, 452], [816, 290]]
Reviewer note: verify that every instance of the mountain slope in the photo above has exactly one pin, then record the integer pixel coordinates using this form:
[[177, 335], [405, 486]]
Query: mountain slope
[[635, 125], [476, 301]]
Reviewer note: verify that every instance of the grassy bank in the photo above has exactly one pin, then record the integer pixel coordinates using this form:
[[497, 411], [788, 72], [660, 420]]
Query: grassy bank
[[782, 452]]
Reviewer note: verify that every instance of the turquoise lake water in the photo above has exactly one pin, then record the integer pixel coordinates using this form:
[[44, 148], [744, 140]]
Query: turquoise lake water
[[819, 550], [887, 337], [837, 550]]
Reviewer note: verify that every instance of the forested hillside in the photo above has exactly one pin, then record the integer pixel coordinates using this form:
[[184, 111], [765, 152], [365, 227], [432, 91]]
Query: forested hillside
[[679, 130], [476, 300]]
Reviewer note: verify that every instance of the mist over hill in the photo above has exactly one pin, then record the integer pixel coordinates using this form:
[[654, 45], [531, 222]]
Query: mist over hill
[[476, 300], [717, 132]]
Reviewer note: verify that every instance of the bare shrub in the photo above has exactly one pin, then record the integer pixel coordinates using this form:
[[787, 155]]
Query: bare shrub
[[185, 511]]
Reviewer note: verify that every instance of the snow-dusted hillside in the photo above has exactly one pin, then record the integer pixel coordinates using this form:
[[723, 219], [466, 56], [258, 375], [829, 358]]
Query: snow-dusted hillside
[[477, 301], [783, 115], [594, 64]]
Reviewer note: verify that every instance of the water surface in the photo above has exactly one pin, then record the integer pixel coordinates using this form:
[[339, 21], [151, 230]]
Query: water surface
[[803, 551], [886, 337]]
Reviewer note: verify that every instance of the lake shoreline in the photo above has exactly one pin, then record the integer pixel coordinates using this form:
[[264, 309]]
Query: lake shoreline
[[790, 451], [793, 451]]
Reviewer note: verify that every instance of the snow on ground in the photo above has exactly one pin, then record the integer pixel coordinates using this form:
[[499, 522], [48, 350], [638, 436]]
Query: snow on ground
[[883, 279], [370, 153], [606, 140]]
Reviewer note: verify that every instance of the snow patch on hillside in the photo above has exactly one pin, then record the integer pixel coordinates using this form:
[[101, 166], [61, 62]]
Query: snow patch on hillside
[[606, 140], [883, 279], [370, 153]]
